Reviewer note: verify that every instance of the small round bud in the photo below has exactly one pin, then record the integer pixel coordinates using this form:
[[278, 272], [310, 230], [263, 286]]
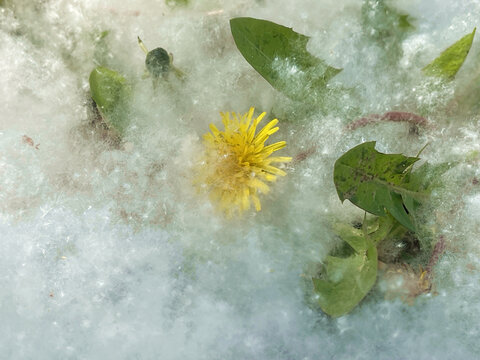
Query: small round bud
[[157, 62]]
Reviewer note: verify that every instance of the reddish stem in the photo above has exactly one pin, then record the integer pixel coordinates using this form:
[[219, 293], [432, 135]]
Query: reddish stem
[[304, 154], [395, 116]]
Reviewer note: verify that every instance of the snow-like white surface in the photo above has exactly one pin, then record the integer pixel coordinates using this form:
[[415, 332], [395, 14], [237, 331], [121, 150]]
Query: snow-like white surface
[[109, 253]]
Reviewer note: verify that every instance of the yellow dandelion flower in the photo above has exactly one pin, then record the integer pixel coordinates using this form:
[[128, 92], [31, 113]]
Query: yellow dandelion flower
[[238, 165]]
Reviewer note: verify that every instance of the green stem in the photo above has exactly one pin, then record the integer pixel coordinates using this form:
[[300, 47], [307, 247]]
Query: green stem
[[142, 45], [179, 73]]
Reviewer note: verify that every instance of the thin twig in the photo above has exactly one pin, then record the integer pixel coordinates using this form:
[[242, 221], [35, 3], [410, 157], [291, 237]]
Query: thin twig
[[394, 116]]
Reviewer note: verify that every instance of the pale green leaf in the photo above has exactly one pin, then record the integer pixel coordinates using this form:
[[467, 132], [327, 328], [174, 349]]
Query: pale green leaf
[[346, 281], [449, 62], [111, 93]]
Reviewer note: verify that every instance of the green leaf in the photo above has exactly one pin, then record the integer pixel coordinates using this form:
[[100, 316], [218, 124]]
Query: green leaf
[[279, 54], [375, 182], [352, 236], [450, 60], [376, 230], [404, 23], [384, 226], [386, 27], [111, 93], [346, 281]]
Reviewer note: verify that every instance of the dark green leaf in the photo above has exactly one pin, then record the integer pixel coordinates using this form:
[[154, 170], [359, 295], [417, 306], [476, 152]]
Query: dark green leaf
[[346, 281], [375, 181], [279, 54], [450, 60], [111, 93]]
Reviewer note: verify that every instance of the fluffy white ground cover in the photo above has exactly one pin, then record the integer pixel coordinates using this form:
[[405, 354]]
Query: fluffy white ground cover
[[109, 252]]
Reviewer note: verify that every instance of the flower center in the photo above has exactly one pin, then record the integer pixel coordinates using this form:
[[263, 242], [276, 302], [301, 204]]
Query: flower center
[[230, 174]]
